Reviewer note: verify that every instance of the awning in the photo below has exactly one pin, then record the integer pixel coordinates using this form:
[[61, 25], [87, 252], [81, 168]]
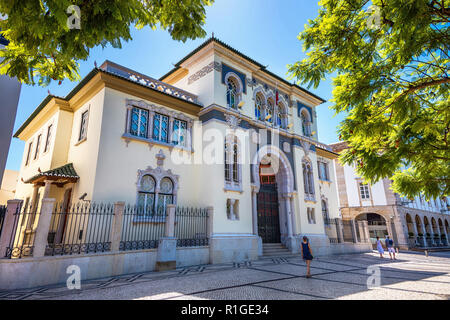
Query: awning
[[59, 176]]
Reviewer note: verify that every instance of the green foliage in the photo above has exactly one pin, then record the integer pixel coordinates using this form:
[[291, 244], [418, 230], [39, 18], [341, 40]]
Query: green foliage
[[42, 45], [392, 80]]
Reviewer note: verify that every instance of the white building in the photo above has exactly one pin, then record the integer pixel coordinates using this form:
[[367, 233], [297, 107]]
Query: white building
[[218, 130], [411, 223]]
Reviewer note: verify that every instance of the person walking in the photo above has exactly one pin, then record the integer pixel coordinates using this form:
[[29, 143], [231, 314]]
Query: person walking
[[307, 255], [390, 247], [380, 247]]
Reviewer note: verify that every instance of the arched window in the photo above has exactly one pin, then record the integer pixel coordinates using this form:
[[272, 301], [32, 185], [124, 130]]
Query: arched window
[[146, 194], [232, 93], [306, 124], [232, 167], [165, 195], [308, 180], [269, 110], [281, 116], [258, 106]]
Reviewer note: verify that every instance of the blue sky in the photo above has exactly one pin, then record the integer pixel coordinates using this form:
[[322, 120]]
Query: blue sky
[[265, 30]]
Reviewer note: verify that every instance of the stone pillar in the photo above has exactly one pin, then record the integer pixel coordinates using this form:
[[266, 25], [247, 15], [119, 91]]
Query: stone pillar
[[362, 233], [48, 183], [10, 223], [167, 249], [40, 238], [365, 224], [255, 210], [116, 228], [210, 226], [151, 115], [170, 221], [402, 241]]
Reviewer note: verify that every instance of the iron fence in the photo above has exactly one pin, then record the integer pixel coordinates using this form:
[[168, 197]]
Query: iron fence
[[331, 229], [21, 242], [80, 229], [2, 217], [142, 227], [348, 231], [191, 226]]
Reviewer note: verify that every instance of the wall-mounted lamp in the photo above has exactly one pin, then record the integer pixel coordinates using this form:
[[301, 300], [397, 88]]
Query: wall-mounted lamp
[[241, 104], [268, 117], [290, 125]]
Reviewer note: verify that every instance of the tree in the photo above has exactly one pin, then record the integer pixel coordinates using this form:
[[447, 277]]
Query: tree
[[46, 43], [391, 60]]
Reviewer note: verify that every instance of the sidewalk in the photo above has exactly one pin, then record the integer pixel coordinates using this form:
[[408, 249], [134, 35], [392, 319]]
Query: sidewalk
[[412, 276]]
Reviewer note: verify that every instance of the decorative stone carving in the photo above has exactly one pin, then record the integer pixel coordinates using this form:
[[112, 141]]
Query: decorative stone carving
[[286, 147], [232, 121], [160, 158]]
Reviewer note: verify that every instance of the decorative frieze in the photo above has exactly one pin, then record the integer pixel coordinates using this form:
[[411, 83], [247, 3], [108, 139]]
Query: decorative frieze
[[204, 71]]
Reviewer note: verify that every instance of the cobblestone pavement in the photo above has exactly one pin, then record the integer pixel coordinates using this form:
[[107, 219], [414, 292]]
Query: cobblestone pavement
[[412, 276]]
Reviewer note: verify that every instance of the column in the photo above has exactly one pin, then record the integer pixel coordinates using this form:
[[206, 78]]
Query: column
[[40, 238], [116, 228], [366, 230], [294, 224], [402, 241], [48, 183], [424, 233], [255, 209], [362, 234], [10, 223], [288, 215]]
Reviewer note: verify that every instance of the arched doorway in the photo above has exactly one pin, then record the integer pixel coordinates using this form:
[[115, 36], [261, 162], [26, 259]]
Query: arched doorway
[[419, 228], [273, 180], [377, 226]]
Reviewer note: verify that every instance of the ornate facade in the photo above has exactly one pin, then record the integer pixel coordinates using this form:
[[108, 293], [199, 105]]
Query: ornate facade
[[218, 130]]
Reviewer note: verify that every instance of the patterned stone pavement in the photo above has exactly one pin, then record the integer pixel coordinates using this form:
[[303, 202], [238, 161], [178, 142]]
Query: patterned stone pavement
[[412, 276]]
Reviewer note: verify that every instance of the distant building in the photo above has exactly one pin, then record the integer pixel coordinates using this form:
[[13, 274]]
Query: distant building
[[8, 186], [416, 223]]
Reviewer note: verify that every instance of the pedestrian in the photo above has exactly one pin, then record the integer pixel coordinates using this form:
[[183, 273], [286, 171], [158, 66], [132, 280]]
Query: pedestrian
[[307, 255], [380, 247], [390, 247]]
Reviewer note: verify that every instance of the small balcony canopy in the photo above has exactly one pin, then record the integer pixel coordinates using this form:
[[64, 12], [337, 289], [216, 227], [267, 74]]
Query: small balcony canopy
[[59, 176]]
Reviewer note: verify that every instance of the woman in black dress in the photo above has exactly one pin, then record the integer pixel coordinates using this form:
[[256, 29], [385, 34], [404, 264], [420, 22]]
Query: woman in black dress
[[307, 255]]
